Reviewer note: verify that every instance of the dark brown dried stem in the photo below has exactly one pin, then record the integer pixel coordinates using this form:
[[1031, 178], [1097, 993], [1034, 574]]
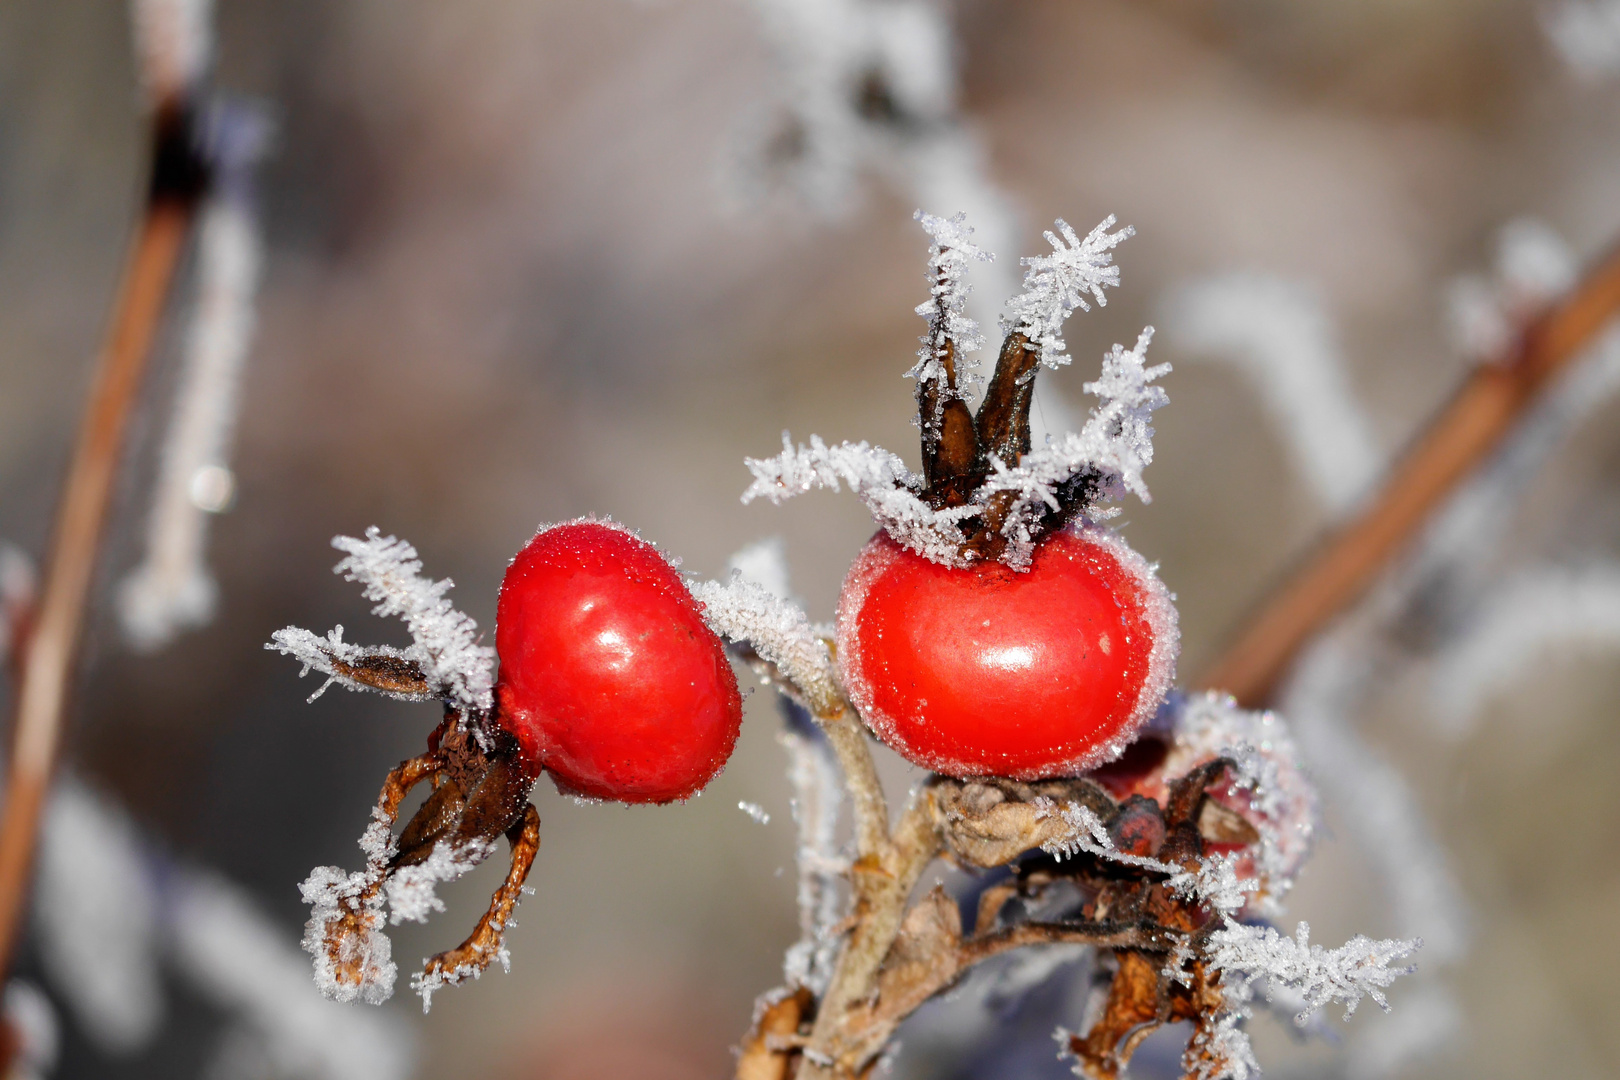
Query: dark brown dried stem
[[1459, 437]]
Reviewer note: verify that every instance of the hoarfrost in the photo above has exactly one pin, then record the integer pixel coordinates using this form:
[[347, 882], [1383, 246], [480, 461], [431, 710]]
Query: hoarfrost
[[1538, 613], [817, 796], [97, 917], [317, 653], [949, 328], [1279, 335], [755, 811], [36, 1031], [172, 589], [1586, 35], [879, 478], [779, 631], [444, 641], [225, 946], [1056, 284], [1357, 969], [344, 932], [410, 889]]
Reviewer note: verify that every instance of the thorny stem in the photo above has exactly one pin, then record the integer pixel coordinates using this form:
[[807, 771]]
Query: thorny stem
[[177, 179], [1458, 438]]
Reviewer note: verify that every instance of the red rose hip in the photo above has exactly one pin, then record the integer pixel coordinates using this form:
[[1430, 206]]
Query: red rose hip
[[610, 680], [991, 671]]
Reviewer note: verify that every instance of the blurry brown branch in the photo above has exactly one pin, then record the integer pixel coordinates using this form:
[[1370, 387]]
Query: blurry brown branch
[[47, 660], [1459, 437]]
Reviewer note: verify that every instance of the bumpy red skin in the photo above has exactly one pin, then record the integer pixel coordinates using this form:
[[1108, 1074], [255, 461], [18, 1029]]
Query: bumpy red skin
[[989, 671], [610, 679]]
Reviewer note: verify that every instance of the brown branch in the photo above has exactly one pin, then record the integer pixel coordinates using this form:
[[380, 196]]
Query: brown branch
[[483, 945], [47, 666], [1455, 441]]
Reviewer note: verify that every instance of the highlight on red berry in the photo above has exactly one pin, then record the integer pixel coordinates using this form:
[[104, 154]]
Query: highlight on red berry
[[610, 680], [987, 671]]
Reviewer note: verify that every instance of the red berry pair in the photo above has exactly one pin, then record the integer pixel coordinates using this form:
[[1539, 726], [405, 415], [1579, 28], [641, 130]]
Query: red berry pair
[[612, 682]]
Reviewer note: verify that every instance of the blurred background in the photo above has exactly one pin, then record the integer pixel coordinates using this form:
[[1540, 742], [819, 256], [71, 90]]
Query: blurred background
[[526, 259]]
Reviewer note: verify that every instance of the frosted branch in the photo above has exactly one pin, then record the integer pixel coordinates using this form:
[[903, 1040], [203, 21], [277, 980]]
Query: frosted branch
[[778, 631], [951, 334], [1357, 969]]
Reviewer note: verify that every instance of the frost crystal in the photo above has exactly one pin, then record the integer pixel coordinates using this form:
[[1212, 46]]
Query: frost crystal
[[879, 478], [1087, 833], [444, 641], [949, 329], [344, 932], [1056, 284], [410, 889], [755, 811], [1359, 968], [776, 629]]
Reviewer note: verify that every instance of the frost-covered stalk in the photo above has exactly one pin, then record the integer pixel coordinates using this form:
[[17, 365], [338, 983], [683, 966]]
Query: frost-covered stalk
[[172, 589], [1279, 336]]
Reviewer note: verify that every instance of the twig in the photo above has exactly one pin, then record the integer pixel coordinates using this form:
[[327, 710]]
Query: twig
[[1455, 441], [47, 665]]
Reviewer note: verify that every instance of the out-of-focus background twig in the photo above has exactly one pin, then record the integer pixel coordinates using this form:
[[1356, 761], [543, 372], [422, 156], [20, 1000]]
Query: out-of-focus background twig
[[516, 270]]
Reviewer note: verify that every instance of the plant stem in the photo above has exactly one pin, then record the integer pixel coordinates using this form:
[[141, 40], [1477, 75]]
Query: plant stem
[[1459, 437], [48, 662]]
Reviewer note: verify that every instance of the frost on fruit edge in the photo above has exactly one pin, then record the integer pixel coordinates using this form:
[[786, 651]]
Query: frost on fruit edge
[[444, 640], [1056, 284], [949, 328], [777, 629], [1115, 443]]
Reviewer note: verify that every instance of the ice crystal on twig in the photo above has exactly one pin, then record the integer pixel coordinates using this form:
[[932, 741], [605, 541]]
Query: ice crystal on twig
[[777, 630], [345, 929], [410, 889], [1056, 284], [1357, 969], [951, 334], [444, 641], [1279, 335]]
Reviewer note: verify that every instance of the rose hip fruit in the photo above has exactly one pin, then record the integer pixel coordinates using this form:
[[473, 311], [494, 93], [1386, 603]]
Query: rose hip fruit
[[990, 671], [610, 680]]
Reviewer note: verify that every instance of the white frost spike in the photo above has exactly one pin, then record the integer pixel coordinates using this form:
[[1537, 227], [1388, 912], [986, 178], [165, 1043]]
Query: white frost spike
[[1278, 334], [755, 811], [818, 794], [1056, 284], [317, 653], [227, 948], [778, 631], [948, 260], [410, 889], [881, 480], [1380, 813], [173, 45], [172, 589], [1586, 34], [445, 641], [1216, 884], [97, 917], [1359, 968], [1538, 614], [332, 895]]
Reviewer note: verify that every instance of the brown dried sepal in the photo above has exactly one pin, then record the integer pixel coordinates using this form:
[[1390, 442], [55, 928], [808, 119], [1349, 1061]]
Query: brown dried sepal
[[990, 822], [483, 945], [385, 672]]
